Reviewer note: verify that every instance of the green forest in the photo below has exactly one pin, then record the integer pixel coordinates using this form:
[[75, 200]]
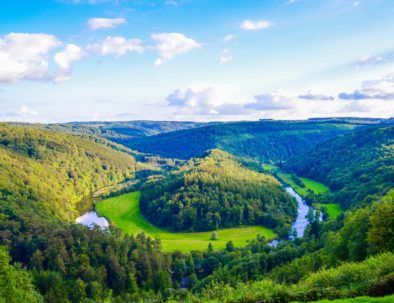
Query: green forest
[[216, 192], [51, 174]]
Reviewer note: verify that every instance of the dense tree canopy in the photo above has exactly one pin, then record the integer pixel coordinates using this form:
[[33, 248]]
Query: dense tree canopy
[[47, 178], [358, 167], [216, 192], [54, 173], [263, 140]]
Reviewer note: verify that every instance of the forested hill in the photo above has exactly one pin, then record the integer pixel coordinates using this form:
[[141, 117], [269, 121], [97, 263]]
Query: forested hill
[[122, 131], [262, 140], [55, 174], [216, 192], [358, 167]]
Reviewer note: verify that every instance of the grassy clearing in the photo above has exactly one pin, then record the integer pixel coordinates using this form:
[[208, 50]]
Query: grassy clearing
[[124, 212], [333, 209], [269, 167], [388, 299], [316, 187]]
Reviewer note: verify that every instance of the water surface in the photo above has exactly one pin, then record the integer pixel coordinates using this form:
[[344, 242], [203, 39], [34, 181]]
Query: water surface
[[91, 218]]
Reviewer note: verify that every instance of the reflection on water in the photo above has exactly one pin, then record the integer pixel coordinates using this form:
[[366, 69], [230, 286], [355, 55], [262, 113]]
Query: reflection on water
[[301, 221], [91, 218]]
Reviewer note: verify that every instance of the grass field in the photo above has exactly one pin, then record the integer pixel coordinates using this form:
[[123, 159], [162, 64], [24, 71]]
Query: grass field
[[316, 187], [269, 167], [333, 209], [387, 299], [124, 212]]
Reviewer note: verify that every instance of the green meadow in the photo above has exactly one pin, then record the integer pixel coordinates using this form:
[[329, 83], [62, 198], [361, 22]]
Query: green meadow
[[123, 211], [388, 299], [316, 187], [333, 209]]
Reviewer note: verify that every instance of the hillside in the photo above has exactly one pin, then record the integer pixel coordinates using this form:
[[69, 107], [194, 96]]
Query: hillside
[[358, 167], [264, 140], [55, 174], [216, 192], [122, 131]]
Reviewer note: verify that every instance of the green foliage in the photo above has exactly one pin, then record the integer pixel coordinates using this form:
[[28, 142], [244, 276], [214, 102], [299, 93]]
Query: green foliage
[[122, 132], [347, 280], [332, 210], [380, 234], [303, 186], [123, 211], [367, 230], [15, 283], [358, 167], [216, 192], [262, 140], [214, 236], [53, 173], [387, 299]]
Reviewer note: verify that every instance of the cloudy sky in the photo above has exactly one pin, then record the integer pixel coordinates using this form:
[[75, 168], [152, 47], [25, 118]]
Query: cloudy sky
[[69, 60]]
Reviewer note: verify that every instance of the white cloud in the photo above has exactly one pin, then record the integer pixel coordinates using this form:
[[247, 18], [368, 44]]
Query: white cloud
[[169, 45], [225, 57], [316, 96], [378, 89], [383, 58], [250, 25], [116, 46], [369, 60], [270, 101], [100, 23], [206, 99], [24, 56], [64, 59], [26, 111], [228, 38]]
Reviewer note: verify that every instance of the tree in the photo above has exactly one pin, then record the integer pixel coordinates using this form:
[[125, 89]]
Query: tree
[[210, 247], [230, 246], [15, 283], [214, 236], [381, 232]]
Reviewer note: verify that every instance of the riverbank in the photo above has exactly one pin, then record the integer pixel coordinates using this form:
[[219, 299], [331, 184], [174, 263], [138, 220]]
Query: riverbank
[[123, 211]]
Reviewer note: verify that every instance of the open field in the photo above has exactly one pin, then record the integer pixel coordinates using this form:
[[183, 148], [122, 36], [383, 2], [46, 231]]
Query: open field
[[316, 187], [124, 212], [387, 299], [333, 209]]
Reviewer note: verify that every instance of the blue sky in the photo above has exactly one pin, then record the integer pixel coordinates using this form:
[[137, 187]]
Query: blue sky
[[68, 60]]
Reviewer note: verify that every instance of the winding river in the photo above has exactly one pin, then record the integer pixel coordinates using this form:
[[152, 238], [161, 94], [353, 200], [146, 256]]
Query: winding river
[[301, 221], [91, 218]]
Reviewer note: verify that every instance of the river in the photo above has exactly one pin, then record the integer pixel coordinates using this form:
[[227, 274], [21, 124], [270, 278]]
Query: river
[[91, 218]]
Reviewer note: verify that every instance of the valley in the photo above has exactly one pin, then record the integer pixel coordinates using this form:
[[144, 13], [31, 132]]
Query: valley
[[219, 226], [123, 211]]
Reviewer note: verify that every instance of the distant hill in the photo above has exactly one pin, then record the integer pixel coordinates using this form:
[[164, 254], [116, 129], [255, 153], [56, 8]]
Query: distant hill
[[263, 140], [53, 173], [358, 167], [213, 192], [122, 131]]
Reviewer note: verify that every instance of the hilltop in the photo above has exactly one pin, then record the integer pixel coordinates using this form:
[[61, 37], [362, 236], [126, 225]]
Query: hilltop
[[213, 192], [262, 140], [358, 167], [55, 174]]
